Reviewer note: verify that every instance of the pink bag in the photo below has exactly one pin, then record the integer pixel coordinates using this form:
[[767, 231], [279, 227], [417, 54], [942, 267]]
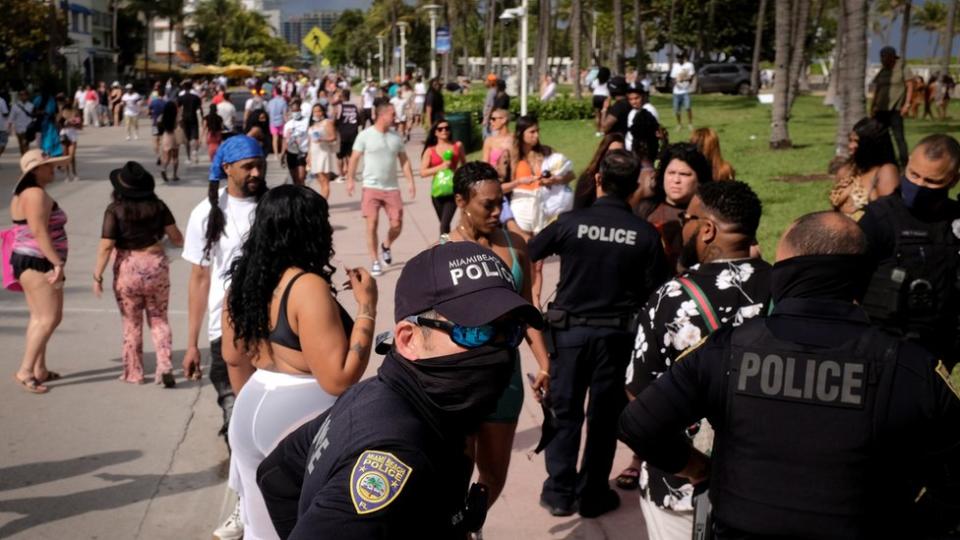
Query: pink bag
[[7, 237]]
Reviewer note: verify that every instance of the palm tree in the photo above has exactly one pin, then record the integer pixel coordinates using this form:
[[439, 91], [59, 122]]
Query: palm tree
[[801, 10], [757, 44], [948, 37], [639, 39], [490, 25], [931, 17], [173, 11], [905, 27], [779, 134], [618, 36], [853, 69], [575, 37]]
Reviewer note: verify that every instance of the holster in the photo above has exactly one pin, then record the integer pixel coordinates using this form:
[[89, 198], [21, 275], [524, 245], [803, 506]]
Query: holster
[[702, 516]]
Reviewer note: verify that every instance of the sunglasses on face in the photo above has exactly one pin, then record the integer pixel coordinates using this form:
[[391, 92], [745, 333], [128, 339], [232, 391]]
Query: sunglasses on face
[[687, 218], [443, 128], [471, 337]]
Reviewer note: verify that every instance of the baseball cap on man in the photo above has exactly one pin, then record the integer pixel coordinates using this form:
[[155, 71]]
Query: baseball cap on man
[[466, 283], [888, 50], [617, 85]]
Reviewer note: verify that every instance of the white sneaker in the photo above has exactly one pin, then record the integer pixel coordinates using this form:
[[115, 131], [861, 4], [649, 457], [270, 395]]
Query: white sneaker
[[128, 137], [232, 528], [375, 269]]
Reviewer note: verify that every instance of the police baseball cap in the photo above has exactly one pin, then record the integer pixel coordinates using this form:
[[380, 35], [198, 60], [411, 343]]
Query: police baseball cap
[[466, 283]]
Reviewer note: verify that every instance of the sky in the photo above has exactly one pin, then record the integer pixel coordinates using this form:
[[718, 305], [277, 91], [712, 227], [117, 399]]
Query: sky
[[920, 43]]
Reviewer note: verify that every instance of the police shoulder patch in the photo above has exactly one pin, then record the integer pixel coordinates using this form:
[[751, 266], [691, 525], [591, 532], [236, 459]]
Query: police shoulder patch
[[376, 480], [941, 370]]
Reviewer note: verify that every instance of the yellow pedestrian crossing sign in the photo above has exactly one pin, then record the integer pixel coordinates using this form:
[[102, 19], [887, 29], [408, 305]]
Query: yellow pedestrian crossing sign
[[316, 40]]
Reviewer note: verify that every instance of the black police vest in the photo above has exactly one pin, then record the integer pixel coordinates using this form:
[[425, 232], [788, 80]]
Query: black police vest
[[914, 293], [798, 440]]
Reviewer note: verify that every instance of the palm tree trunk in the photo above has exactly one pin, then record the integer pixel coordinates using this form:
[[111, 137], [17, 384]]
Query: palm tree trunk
[[488, 41], [618, 36], [170, 30], [855, 63], [671, 57], [575, 37], [801, 10], [905, 29], [757, 44], [779, 133], [948, 37], [639, 55], [543, 40]]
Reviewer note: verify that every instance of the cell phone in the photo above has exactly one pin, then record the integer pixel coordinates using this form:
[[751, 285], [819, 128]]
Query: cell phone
[[545, 174], [532, 380]]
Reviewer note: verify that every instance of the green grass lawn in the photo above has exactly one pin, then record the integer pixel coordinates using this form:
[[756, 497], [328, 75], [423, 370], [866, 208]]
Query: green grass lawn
[[744, 128]]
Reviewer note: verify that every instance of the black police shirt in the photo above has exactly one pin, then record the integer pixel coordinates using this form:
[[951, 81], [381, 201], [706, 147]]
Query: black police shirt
[[371, 467], [807, 445], [621, 111], [610, 259], [680, 315]]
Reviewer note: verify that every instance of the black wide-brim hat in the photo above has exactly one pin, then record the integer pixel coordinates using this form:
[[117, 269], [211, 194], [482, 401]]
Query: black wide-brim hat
[[133, 181]]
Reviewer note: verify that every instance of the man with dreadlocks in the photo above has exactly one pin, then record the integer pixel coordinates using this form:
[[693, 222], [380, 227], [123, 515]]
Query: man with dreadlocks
[[214, 237]]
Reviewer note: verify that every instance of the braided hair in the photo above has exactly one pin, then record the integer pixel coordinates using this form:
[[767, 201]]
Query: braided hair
[[216, 220]]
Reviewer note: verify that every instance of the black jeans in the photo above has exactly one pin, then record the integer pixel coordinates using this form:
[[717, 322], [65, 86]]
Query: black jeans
[[593, 359], [445, 207], [221, 383], [894, 123]]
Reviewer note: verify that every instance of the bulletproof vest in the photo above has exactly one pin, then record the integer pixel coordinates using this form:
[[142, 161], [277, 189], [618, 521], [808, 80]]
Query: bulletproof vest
[[914, 293], [800, 429]]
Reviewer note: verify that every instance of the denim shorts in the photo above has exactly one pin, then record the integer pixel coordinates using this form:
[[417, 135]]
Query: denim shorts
[[681, 102], [4, 137]]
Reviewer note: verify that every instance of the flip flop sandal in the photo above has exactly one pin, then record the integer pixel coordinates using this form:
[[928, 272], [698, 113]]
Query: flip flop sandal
[[31, 385], [51, 376], [629, 479]]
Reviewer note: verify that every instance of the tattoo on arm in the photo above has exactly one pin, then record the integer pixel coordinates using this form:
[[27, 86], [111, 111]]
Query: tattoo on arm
[[359, 348]]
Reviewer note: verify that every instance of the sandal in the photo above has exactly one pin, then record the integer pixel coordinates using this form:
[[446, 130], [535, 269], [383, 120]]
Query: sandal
[[51, 376], [629, 479], [31, 385]]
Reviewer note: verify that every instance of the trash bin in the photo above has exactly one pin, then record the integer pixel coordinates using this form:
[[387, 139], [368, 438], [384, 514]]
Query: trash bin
[[461, 128]]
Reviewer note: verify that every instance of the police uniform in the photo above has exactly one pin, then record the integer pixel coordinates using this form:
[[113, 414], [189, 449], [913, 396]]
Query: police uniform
[[915, 290], [610, 262], [825, 426]]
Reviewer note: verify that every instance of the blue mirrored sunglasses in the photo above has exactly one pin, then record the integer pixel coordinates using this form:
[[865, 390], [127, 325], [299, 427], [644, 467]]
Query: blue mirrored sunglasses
[[471, 337]]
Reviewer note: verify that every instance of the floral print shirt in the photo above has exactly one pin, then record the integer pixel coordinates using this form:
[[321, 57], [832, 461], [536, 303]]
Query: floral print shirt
[[671, 322]]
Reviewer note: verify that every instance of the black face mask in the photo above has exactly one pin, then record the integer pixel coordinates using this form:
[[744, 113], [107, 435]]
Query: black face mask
[[919, 197], [460, 389], [825, 277]]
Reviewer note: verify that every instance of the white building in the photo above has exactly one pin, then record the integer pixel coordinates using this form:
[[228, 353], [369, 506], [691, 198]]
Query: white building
[[90, 30]]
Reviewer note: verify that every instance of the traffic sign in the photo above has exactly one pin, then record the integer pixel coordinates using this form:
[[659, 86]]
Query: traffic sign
[[316, 40]]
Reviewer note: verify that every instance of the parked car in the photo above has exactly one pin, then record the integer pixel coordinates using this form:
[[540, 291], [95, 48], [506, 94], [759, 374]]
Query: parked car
[[728, 78]]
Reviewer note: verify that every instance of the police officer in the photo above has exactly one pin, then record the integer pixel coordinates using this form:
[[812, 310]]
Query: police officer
[[387, 460], [825, 426], [914, 239], [610, 262]]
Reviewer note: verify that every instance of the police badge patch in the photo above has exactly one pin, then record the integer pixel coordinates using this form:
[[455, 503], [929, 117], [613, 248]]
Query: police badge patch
[[376, 480]]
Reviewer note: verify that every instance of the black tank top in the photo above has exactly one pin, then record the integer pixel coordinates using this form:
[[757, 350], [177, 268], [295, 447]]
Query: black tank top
[[282, 334]]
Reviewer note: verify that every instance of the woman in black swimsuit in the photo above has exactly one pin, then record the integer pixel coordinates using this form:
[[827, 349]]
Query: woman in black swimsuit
[[290, 347]]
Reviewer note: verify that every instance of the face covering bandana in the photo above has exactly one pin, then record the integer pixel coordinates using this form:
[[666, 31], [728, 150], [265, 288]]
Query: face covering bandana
[[826, 277], [462, 387], [920, 197]]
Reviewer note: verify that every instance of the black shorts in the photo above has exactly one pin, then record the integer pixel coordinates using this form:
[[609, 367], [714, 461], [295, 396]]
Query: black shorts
[[598, 102], [346, 146], [296, 160], [191, 130], [21, 262]]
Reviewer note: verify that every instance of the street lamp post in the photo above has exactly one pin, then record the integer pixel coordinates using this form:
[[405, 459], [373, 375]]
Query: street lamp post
[[432, 10], [521, 13], [403, 50]]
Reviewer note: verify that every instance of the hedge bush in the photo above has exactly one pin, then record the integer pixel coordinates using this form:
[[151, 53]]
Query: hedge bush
[[562, 107]]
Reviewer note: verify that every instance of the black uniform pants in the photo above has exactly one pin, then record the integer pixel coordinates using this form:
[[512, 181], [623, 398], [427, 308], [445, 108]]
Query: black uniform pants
[[894, 123], [221, 383], [593, 359]]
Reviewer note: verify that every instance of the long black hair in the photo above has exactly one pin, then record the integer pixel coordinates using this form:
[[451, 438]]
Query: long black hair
[[291, 229], [873, 146], [432, 139]]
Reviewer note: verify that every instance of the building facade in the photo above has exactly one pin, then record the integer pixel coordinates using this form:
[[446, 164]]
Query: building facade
[[92, 50]]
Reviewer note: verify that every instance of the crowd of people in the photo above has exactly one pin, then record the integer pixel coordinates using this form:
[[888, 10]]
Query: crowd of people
[[786, 389]]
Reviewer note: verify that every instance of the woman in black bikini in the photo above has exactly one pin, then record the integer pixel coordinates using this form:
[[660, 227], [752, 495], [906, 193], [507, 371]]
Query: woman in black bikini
[[289, 345]]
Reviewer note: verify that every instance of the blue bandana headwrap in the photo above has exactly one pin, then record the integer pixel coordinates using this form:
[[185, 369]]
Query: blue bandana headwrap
[[232, 150]]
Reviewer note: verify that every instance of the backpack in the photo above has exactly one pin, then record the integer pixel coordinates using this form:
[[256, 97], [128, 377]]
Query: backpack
[[914, 293]]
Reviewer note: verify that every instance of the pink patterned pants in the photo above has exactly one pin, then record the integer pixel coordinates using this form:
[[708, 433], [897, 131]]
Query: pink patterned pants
[[141, 283]]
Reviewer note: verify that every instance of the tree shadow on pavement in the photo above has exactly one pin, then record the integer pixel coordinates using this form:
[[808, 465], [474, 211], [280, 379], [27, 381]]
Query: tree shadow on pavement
[[126, 489], [32, 474]]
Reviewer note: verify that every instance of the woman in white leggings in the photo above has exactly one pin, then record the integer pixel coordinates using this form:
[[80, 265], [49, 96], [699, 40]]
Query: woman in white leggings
[[290, 347]]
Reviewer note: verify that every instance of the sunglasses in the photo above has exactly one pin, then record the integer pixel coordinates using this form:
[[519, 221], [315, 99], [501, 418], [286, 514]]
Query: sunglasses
[[443, 128], [471, 337]]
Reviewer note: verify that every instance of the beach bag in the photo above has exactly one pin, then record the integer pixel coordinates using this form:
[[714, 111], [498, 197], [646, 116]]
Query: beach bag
[[7, 237], [556, 199]]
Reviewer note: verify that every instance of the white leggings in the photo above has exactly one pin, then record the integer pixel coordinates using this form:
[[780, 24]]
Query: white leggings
[[270, 406]]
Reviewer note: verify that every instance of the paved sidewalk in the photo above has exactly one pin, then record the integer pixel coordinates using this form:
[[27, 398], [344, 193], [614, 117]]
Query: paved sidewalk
[[96, 458]]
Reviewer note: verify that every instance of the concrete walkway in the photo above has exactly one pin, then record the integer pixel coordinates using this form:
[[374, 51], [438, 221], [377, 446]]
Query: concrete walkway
[[96, 458]]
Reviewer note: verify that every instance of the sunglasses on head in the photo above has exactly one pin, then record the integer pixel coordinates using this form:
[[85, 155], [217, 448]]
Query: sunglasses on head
[[471, 337]]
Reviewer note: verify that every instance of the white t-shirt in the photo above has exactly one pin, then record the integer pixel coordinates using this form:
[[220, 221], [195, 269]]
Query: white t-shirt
[[226, 111], [419, 92], [682, 74], [131, 104], [239, 214], [652, 110], [400, 106], [20, 116], [600, 89], [369, 94], [295, 131], [628, 138], [80, 96], [549, 91]]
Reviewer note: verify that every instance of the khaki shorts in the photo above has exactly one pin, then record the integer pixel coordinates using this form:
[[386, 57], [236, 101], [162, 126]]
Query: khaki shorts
[[373, 199]]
